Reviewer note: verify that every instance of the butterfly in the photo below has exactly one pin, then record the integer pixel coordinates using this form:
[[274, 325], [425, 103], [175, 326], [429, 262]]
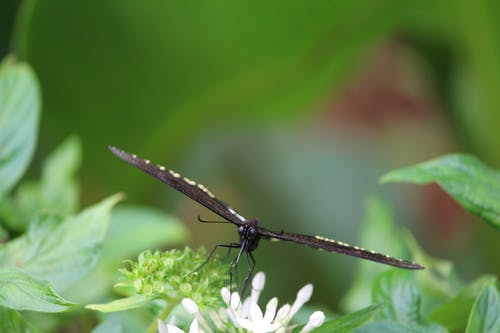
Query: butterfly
[[250, 231]]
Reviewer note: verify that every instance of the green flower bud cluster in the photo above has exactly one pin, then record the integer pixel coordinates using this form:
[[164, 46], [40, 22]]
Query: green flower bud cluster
[[176, 274]]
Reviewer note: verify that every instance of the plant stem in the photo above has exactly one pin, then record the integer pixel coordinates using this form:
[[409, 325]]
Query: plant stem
[[153, 328]]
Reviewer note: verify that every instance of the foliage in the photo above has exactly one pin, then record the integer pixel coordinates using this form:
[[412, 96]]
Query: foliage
[[53, 248], [50, 248], [20, 109], [475, 186], [170, 276]]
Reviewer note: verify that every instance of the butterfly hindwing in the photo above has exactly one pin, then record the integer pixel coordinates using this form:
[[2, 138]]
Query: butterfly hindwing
[[331, 245]]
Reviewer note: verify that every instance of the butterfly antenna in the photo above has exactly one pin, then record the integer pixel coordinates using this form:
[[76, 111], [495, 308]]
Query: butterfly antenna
[[208, 221]]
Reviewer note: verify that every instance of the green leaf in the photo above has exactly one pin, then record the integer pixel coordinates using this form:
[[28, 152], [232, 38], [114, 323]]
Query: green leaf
[[4, 235], [19, 112], [484, 317], [378, 224], [453, 313], [59, 189], [56, 192], [439, 276], [61, 251], [127, 303], [132, 229], [350, 321], [139, 228], [12, 322], [20, 291], [110, 325], [397, 288], [391, 326], [475, 186], [438, 282]]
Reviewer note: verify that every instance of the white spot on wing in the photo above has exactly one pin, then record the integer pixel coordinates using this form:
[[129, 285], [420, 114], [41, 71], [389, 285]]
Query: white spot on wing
[[331, 241], [189, 181], [204, 189], [173, 173], [232, 211]]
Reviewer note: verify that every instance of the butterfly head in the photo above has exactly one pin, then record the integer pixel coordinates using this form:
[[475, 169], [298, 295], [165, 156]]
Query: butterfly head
[[249, 234]]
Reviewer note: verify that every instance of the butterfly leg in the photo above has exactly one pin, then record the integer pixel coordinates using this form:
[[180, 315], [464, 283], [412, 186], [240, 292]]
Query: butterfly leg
[[212, 252], [250, 265], [234, 265], [230, 247]]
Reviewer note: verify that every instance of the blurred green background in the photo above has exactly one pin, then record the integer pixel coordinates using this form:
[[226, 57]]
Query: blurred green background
[[289, 110]]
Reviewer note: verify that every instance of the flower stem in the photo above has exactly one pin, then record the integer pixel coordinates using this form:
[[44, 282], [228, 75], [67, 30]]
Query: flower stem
[[153, 328]]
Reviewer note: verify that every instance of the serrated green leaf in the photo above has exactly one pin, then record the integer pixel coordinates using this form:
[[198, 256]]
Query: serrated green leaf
[[61, 251], [350, 321], [475, 186], [453, 313], [127, 303], [378, 224], [485, 313], [20, 291], [19, 113], [397, 288], [132, 229], [390, 326], [11, 321], [56, 192]]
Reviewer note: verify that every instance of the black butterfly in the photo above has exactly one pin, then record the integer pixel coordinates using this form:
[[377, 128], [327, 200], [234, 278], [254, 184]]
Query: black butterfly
[[250, 231]]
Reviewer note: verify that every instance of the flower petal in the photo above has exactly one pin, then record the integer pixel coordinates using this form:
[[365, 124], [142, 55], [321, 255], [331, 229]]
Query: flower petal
[[282, 313], [271, 310], [258, 283], [194, 326], [235, 300], [162, 328], [173, 329], [245, 310], [246, 324], [303, 296], [226, 295], [255, 313], [316, 319], [190, 306]]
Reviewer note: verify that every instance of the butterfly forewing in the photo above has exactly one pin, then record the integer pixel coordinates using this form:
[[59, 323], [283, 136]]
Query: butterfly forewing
[[193, 190], [331, 245]]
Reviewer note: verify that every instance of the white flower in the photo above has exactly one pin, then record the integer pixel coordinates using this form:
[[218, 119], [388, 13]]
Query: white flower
[[190, 306], [250, 317], [246, 314], [257, 322], [303, 296], [316, 319], [162, 328]]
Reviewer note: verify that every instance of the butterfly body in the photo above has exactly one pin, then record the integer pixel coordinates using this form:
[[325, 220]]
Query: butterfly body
[[250, 230]]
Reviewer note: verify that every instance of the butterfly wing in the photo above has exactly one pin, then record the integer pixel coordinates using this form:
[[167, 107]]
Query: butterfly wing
[[331, 245], [193, 190]]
